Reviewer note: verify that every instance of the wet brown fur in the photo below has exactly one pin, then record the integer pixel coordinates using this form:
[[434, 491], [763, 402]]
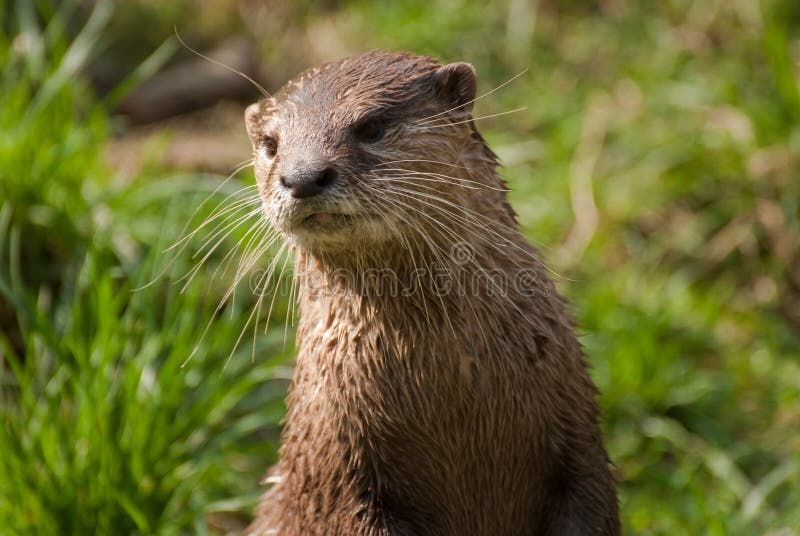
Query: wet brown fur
[[464, 412]]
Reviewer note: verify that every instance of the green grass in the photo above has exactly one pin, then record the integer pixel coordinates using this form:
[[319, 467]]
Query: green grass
[[107, 432], [106, 425], [677, 120]]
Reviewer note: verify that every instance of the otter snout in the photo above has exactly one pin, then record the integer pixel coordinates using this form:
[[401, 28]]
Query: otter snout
[[307, 181]]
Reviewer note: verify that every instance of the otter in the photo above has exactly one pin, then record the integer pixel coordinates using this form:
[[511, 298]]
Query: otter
[[439, 387]]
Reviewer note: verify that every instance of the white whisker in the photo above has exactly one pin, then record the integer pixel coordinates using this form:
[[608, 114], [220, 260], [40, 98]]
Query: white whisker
[[445, 123], [424, 119]]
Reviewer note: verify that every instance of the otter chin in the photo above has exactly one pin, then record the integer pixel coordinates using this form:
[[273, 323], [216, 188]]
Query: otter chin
[[321, 229], [439, 388], [327, 220]]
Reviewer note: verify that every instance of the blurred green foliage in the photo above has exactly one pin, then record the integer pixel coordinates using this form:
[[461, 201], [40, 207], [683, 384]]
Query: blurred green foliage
[[112, 419], [656, 165], [44, 160]]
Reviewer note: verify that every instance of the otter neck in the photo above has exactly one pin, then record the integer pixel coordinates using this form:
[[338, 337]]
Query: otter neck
[[416, 298]]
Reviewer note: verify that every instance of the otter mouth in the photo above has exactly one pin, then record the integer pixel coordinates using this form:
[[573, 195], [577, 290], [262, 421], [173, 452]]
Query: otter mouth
[[326, 221]]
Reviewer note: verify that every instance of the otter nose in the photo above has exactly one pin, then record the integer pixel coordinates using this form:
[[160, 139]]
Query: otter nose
[[307, 182]]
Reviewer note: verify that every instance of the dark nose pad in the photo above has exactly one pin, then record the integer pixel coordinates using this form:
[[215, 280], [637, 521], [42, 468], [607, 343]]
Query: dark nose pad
[[308, 183]]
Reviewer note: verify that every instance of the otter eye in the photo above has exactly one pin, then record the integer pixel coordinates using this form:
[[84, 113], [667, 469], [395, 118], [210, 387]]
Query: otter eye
[[369, 131], [269, 144]]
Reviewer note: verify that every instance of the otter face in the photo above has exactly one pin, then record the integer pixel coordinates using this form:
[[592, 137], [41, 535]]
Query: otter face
[[327, 143]]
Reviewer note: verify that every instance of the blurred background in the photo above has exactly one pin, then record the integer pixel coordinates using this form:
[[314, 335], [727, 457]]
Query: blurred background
[[655, 163]]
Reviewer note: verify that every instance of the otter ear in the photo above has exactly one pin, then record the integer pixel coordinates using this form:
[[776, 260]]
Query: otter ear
[[456, 84], [253, 120]]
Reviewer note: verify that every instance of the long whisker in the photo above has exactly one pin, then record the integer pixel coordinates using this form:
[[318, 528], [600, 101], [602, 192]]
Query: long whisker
[[437, 252], [249, 260], [380, 205], [257, 306], [224, 214], [391, 162], [280, 277], [186, 226], [231, 228], [264, 239], [449, 231], [227, 225], [445, 123], [463, 221], [470, 217], [292, 299], [416, 180], [259, 232], [241, 333], [258, 86], [447, 178], [261, 293], [475, 99], [185, 237], [190, 275], [271, 271], [413, 184], [220, 304], [231, 292]]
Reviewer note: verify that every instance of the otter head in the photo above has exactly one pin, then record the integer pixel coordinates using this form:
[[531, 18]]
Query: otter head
[[334, 142]]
